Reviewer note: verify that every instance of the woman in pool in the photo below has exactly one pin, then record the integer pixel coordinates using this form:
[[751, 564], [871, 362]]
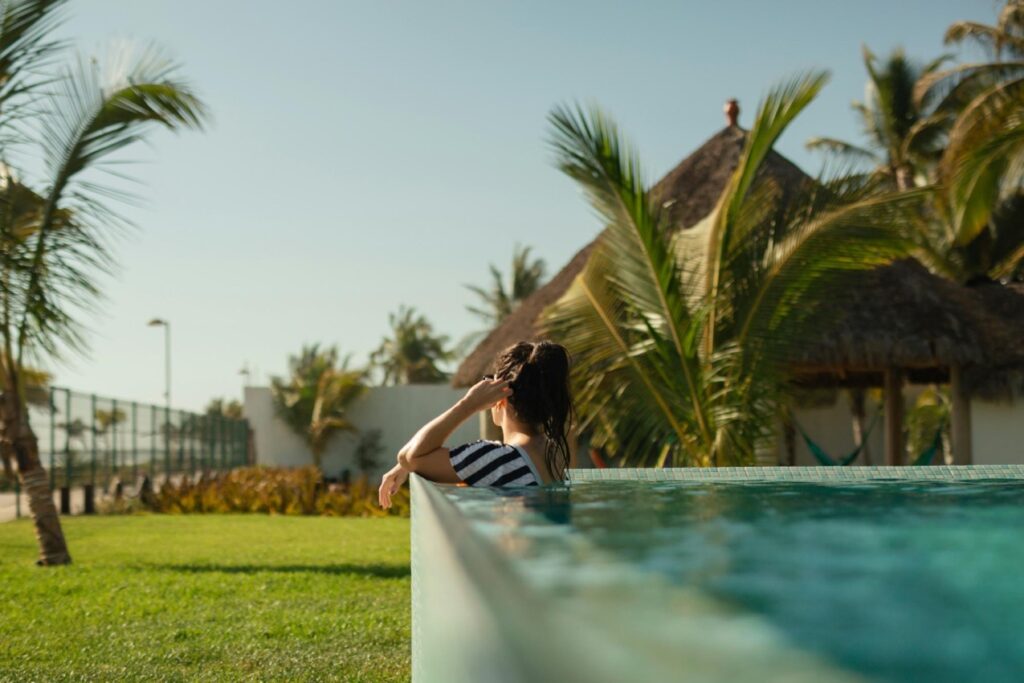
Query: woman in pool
[[528, 396]]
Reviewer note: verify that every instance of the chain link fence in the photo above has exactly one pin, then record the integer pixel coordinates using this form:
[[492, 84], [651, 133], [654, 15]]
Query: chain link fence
[[94, 441]]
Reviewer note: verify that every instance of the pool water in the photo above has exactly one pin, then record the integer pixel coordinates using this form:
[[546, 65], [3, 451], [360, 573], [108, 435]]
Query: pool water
[[885, 581]]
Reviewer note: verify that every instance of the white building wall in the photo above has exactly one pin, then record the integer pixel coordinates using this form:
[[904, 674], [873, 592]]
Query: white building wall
[[997, 432], [831, 427], [397, 411]]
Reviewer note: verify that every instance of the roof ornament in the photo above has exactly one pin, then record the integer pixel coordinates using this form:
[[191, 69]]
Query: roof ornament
[[732, 112]]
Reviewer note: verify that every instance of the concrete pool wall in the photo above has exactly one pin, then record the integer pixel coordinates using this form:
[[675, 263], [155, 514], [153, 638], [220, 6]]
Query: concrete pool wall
[[476, 618]]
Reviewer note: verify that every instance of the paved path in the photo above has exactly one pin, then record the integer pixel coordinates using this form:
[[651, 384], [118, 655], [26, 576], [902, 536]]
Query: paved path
[[8, 508]]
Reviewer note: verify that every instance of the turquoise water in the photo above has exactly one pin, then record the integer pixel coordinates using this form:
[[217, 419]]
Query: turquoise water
[[891, 581]]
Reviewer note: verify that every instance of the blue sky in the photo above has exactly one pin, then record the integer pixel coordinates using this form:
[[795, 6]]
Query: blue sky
[[365, 155]]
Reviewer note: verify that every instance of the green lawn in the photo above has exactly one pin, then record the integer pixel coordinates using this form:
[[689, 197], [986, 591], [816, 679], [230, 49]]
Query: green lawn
[[208, 597]]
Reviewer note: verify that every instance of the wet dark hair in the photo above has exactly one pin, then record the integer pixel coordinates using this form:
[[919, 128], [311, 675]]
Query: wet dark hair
[[538, 375]]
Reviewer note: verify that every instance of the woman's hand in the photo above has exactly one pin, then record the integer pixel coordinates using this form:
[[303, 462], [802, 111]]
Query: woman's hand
[[486, 393], [390, 483]]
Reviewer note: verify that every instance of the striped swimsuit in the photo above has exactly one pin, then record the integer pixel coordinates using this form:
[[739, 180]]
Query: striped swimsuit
[[492, 463]]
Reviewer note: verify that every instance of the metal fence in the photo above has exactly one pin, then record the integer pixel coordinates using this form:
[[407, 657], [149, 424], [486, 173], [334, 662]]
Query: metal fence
[[85, 439]]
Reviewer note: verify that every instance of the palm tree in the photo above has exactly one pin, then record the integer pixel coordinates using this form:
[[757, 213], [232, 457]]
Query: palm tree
[[37, 393], [222, 407], [496, 303], [680, 340], [903, 140], [412, 353], [315, 398], [54, 243], [981, 171]]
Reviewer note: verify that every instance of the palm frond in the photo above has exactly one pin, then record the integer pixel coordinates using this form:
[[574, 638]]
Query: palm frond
[[845, 149], [589, 149], [90, 117], [778, 109], [984, 156], [954, 88], [26, 47], [992, 38]]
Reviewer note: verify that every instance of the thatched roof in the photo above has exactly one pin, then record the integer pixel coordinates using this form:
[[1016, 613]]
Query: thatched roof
[[899, 315], [1003, 376], [687, 194], [903, 316]]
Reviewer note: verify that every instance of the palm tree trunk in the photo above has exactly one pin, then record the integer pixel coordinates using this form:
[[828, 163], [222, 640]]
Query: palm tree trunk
[[904, 177], [18, 438]]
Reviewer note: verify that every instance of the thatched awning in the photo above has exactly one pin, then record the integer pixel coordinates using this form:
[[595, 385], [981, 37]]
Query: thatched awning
[[902, 316], [1003, 376], [686, 194]]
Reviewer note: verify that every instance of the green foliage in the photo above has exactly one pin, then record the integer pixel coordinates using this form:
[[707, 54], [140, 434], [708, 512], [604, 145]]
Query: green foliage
[[413, 353], [210, 598], [904, 139], [55, 244], [269, 490], [982, 168], [105, 419], [368, 451], [680, 340], [230, 409], [525, 276], [314, 399], [929, 415]]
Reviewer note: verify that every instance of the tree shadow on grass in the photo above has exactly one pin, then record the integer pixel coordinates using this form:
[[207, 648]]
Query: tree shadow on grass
[[379, 571]]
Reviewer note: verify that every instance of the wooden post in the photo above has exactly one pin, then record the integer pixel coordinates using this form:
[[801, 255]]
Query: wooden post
[[894, 416], [960, 420]]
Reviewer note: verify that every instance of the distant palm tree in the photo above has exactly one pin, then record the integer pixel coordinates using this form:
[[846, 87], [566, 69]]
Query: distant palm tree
[[315, 397], [412, 353], [55, 243], [903, 140], [982, 168], [497, 302], [680, 339], [230, 409]]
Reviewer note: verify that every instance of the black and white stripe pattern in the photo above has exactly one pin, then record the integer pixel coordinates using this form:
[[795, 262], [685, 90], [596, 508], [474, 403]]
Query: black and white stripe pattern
[[492, 463]]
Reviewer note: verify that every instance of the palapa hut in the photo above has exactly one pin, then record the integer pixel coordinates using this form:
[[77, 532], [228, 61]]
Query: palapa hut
[[900, 324], [687, 193]]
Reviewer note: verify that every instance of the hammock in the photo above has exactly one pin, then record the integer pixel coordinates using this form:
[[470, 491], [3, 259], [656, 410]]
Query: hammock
[[824, 458], [925, 458], [929, 453]]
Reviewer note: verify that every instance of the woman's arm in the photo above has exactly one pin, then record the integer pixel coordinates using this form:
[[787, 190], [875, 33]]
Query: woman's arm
[[432, 435], [425, 452]]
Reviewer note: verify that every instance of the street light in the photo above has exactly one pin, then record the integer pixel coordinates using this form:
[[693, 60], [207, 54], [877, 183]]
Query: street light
[[247, 374], [157, 322]]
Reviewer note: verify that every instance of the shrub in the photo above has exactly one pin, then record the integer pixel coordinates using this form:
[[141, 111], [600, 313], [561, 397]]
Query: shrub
[[271, 490]]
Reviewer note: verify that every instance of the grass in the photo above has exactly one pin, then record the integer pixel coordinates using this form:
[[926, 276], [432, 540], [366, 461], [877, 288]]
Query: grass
[[208, 597]]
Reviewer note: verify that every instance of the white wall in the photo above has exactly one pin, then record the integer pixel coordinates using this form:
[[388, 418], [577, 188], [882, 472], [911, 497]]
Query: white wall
[[831, 427], [397, 411], [997, 432]]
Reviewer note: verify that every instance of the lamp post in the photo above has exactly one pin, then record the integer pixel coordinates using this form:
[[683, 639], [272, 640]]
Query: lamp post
[[158, 322]]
